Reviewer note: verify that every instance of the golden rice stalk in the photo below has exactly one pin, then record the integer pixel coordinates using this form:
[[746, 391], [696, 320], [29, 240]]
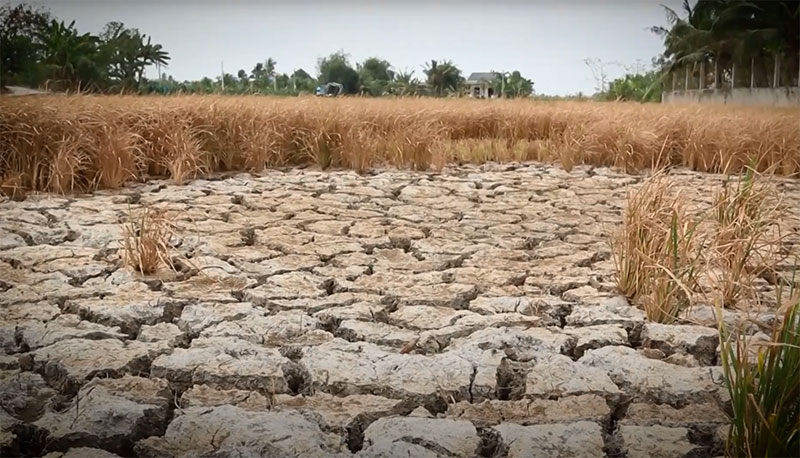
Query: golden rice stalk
[[657, 250], [146, 241], [114, 139]]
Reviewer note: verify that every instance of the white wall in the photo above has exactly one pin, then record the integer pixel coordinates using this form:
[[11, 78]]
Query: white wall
[[778, 97]]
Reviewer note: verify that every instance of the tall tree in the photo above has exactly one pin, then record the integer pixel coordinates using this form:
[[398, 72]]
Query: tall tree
[[374, 76], [152, 53], [515, 85], [444, 76], [337, 68], [302, 81], [722, 33], [128, 53], [269, 69], [405, 83], [21, 48], [70, 59], [264, 73], [258, 71]]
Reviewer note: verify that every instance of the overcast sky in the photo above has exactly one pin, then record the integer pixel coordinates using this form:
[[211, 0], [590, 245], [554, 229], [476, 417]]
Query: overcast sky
[[547, 40]]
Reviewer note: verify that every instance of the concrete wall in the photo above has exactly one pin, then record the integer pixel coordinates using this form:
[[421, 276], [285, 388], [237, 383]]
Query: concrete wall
[[778, 97]]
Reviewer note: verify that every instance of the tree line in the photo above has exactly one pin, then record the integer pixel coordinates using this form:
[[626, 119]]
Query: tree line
[[373, 77], [719, 44], [726, 42], [37, 50]]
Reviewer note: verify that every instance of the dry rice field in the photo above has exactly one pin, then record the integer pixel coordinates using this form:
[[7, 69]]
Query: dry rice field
[[179, 277], [78, 143]]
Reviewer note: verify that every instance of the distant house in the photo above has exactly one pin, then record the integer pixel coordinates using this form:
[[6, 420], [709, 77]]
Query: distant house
[[479, 85]]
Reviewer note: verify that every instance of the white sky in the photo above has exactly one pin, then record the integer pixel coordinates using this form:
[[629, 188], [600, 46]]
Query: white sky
[[546, 40]]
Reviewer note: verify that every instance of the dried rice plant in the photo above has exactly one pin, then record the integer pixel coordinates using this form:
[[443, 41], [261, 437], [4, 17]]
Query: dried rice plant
[[657, 250], [146, 241], [746, 240], [80, 143]]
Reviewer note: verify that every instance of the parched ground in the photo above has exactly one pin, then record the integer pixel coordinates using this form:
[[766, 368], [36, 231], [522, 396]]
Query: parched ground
[[462, 314]]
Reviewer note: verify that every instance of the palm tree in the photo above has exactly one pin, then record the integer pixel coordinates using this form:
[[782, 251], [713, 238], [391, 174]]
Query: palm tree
[[127, 54], [150, 54], [731, 31], [773, 30], [269, 68], [68, 56], [258, 71], [404, 83], [687, 41], [443, 76]]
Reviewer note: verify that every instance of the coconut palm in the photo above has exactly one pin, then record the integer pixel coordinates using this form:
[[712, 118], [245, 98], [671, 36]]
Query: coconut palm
[[150, 54], [443, 76], [405, 83], [128, 53], [269, 69], [727, 32]]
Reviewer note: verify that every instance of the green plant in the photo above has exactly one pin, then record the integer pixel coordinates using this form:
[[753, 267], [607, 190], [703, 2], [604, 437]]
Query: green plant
[[765, 394]]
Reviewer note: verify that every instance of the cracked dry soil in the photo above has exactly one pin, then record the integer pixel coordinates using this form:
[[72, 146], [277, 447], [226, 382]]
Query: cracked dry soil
[[457, 314]]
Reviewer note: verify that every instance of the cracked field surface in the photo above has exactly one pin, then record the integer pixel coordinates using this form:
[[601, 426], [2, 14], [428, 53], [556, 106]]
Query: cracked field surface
[[466, 313]]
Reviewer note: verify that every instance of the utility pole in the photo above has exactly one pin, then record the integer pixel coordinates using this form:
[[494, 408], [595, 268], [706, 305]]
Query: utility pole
[[222, 74]]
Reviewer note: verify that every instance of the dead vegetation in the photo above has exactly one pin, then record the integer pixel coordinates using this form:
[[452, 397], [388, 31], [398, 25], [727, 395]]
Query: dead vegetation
[[80, 143], [747, 239], [146, 241], [669, 255], [658, 251]]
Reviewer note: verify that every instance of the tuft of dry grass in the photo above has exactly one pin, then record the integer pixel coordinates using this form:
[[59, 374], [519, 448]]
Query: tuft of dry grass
[[146, 239], [746, 236], [81, 143], [667, 253], [657, 251]]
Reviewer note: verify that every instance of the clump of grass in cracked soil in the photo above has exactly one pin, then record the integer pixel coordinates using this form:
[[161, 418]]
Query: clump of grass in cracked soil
[[765, 393], [746, 237], [657, 251], [146, 240], [665, 250], [659, 258]]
